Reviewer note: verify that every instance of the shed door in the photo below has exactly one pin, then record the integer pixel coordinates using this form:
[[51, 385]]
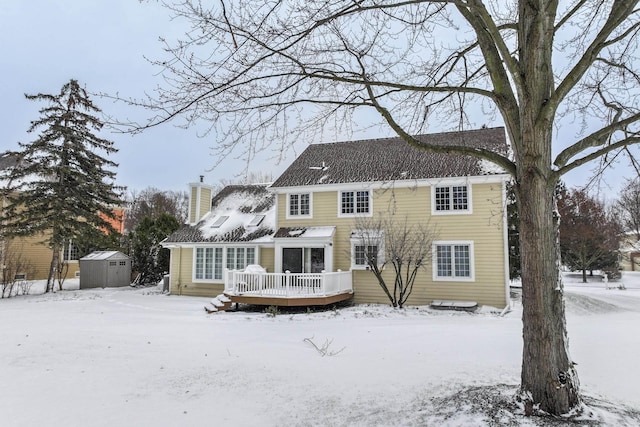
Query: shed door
[[117, 273]]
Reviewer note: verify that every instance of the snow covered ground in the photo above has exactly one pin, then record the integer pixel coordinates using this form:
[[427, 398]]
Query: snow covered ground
[[136, 357]]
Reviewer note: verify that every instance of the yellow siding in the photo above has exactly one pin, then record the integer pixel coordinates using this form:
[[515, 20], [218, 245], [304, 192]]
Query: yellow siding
[[34, 257], [484, 227], [267, 259], [205, 202], [193, 209], [182, 279]]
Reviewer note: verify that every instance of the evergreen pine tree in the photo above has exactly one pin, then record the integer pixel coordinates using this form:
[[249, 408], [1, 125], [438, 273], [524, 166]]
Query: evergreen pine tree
[[150, 260], [63, 183]]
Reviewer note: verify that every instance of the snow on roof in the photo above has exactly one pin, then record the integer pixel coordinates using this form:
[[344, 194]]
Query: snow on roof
[[487, 167], [305, 232], [102, 255], [242, 205]]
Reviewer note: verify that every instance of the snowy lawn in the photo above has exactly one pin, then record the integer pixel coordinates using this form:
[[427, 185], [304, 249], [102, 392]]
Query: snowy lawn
[[136, 357]]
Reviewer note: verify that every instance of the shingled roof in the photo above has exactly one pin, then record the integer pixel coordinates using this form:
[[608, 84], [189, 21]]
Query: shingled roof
[[241, 204], [390, 159], [8, 160]]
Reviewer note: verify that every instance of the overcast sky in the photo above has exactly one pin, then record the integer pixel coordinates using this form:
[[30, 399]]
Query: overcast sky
[[102, 44]]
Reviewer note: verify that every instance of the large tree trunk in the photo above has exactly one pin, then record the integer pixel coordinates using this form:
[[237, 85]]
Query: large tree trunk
[[548, 375]]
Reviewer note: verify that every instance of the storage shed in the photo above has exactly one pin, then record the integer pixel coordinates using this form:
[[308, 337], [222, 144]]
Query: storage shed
[[105, 269]]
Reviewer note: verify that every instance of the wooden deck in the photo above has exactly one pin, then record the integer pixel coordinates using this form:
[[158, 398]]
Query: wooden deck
[[288, 289], [290, 302]]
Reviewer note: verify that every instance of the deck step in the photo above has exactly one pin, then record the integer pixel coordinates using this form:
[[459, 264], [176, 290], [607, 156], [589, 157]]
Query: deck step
[[219, 303]]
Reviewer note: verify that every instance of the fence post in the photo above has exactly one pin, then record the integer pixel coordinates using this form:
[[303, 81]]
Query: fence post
[[261, 282], [339, 280], [287, 277], [234, 282]]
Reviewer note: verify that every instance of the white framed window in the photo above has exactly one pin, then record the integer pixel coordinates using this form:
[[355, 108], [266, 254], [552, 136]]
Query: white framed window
[[209, 262], [239, 258], [354, 203], [299, 205], [70, 252], [365, 245], [450, 199], [453, 260]]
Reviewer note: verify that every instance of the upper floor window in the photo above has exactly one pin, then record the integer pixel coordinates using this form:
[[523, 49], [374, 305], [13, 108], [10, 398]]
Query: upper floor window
[[355, 203], [452, 198], [453, 261], [299, 205]]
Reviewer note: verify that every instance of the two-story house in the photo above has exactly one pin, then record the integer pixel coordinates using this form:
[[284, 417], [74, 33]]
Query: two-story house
[[311, 249]]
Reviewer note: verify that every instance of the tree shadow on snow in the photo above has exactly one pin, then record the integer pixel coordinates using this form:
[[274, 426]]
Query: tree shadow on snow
[[495, 406]]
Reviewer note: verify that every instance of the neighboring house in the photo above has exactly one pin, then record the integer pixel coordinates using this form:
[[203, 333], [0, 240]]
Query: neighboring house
[[309, 247], [28, 256], [630, 252]]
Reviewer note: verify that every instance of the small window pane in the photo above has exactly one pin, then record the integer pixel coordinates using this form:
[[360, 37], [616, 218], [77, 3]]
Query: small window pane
[[231, 258], [199, 263], [251, 256], [361, 252], [208, 263], [293, 204], [442, 199], [240, 264], [359, 255], [362, 202], [463, 268], [347, 202], [304, 204], [444, 260], [460, 198], [218, 264]]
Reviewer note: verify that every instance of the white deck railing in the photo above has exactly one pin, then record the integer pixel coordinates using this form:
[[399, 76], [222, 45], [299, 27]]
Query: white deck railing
[[287, 285]]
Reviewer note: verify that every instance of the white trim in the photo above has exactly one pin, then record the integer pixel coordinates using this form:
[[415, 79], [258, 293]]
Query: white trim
[[374, 185], [192, 245], [355, 214], [297, 244], [434, 257], [505, 236], [288, 206], [450, 185]]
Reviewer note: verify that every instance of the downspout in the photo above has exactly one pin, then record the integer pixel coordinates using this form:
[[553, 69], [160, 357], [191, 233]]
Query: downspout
[[179, 284], [505, 244]]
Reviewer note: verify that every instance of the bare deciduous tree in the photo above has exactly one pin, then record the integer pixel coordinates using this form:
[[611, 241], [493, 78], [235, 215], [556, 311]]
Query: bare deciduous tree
[[264, 72], [152, 202], [390, 241], [16, 269]]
